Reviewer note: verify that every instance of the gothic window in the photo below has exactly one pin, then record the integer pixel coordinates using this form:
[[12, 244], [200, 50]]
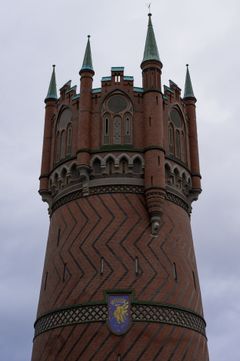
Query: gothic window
[[63, 143], [110, 166], [176, 135], [171, 138], [124, 165], [58, 146], [97, 166], [137, 165], [117, 113], [128, 127], [117, 129], [106, 129], [178, 144], [69, 140]]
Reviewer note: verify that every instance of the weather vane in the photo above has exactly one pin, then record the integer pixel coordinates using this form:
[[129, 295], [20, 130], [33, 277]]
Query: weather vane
[[149, 7]]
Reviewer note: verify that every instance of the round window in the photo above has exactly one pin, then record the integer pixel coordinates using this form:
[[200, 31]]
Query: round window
[[117, 103]]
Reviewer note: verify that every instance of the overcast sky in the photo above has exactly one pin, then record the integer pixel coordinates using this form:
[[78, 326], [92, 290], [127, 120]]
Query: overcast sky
[[36, 34]]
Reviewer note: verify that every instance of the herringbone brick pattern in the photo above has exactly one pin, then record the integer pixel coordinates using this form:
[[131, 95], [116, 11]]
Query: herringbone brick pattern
[[116, 227]]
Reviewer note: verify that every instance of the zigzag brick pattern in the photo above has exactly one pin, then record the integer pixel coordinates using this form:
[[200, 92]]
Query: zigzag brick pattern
[[116, 227]]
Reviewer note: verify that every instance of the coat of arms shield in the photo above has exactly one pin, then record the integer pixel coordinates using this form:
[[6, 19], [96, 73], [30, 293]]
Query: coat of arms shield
[[119, 313]]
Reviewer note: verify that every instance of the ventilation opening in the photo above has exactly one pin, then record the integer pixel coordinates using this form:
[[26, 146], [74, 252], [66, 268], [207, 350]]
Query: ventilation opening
[[45, 282], [136, 266], [101, 265], [117, 79], [58, 237], [64, 271], [194, 280], [174, 271]]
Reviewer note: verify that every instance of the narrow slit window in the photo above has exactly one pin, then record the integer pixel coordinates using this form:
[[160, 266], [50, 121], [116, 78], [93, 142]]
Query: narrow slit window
[[136, 266], [194, 280], [158, 161], [45, 282], [64, 271], [101, 265], [58, 237], [150, 121], [175, 271]]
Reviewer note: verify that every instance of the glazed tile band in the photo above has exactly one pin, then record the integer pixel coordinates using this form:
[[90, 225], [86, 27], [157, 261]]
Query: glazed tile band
[[140, 312]]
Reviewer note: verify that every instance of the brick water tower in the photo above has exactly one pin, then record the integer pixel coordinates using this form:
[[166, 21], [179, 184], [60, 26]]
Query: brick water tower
[[120, 170]]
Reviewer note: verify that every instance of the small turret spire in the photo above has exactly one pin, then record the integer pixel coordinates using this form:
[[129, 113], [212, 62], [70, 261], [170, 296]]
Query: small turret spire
[[87, 61], [188, 90], [151, 49], [52, 90]]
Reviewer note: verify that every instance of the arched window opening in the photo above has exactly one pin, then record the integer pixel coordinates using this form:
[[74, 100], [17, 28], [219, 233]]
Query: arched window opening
[[97, 166], [128, 129], [137, 165], [171, 139], [64, 134], [110, 166], [58, 147], [168, 177], [106, 130], [178, 145], [63, 144], [124, 165], [117, 130], [183, 147], [74, 171], [177, 135], [69, 140], [117, 119]]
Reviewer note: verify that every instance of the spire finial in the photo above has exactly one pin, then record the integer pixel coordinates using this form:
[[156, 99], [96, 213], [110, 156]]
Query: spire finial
[[149, 9], [188, 90], [151, 49], [87, 61], [52, 90]]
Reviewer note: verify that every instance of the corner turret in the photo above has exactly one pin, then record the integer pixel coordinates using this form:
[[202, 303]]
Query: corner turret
[[151, 65], [50, 112], [190, 103]]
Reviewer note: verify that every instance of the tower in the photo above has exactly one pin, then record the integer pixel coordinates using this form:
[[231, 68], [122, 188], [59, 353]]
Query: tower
[[120, 170]]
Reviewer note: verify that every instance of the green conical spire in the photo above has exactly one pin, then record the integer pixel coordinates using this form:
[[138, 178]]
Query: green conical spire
[[87, 61], [151, 49], [52, 90], [188, 90]]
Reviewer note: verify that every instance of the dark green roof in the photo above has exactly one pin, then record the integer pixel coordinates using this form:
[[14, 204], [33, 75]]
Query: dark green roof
[[188, 90], [87, 61], [52, 90], [151, 49]]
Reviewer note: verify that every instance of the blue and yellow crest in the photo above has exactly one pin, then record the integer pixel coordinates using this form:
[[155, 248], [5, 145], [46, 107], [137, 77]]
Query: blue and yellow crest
[[119, 313]]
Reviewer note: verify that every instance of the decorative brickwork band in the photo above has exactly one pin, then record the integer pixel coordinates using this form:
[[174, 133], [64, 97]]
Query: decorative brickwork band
[[116, 189], [139, 312]]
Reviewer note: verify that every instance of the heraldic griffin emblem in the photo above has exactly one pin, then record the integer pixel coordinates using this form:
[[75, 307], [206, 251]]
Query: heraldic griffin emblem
[[119, 315]]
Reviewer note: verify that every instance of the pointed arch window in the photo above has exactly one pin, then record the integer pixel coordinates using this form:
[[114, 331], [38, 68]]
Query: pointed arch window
[[117, 129], [106, 128], [177, 135], [178, 144], [117, 113], [171, 138], [63, 144], [128, 128], [57, 146], [69, 140]]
